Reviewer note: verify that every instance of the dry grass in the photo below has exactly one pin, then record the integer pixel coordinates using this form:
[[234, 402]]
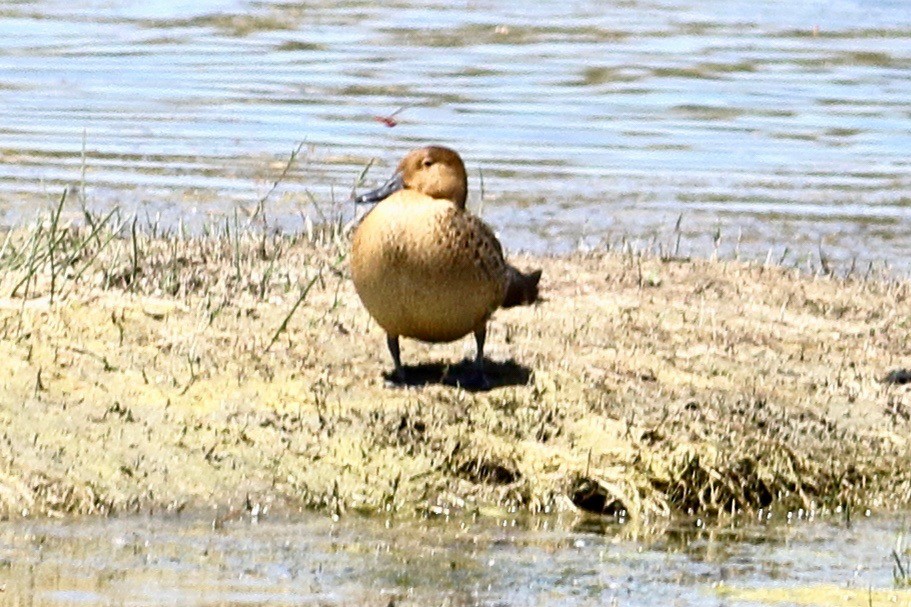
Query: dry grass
[[150, 370]]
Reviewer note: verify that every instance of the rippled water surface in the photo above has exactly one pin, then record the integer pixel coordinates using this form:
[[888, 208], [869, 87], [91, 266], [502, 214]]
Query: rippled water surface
[[766, 124], [365, 562]]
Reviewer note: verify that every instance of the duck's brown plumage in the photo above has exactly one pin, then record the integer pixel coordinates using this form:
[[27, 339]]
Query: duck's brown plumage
[[425, 267]]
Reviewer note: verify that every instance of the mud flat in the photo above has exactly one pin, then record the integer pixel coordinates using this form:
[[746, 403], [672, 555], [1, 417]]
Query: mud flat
[[150, 371]]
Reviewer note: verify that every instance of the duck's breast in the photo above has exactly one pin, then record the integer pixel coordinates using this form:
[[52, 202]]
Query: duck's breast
[[427, 270]]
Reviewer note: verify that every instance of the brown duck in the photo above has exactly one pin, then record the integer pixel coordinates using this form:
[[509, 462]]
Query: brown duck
[[425, 267]]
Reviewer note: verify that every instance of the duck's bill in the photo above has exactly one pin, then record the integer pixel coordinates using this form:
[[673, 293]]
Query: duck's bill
[[384, 191]]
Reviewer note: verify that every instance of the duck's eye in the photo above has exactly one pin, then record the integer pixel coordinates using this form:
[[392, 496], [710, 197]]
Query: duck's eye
[[427, 162]]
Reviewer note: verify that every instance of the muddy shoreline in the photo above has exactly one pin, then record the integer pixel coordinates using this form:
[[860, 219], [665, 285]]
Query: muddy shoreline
[[235, 369]]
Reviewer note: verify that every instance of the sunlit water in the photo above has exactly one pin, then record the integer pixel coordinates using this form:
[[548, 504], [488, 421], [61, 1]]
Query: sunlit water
[[774, 125], [315, 561]]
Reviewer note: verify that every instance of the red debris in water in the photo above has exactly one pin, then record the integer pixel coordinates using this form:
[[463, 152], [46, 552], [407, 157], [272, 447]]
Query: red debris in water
[[390, 120]]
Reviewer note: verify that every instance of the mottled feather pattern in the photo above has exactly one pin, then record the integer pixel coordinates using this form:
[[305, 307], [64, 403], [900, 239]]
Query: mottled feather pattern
[[474, 241]]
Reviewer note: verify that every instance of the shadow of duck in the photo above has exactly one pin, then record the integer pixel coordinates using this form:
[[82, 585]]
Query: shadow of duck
[[462, 374]]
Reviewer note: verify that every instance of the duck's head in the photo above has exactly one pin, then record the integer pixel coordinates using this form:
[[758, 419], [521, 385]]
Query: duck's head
[[434, 171]]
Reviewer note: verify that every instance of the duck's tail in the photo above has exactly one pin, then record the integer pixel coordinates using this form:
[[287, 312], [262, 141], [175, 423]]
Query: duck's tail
[[522, 289]]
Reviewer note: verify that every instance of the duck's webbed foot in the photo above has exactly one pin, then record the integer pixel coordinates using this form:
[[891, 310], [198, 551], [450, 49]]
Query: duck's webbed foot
[[475, 381]]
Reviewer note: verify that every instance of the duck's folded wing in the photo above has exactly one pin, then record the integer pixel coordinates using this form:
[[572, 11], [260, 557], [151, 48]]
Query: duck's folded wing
[[519, 288], [487, 249]]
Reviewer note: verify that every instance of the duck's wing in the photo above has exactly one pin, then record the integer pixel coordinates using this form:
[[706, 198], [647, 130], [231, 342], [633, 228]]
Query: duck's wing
[[486, 247], [519, 288]]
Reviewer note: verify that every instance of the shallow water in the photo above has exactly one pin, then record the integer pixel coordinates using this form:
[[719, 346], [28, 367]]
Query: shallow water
[[153, 561], [776, 125]]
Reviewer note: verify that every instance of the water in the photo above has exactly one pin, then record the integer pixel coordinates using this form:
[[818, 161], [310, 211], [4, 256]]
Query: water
[[778, 125], [314, 561]]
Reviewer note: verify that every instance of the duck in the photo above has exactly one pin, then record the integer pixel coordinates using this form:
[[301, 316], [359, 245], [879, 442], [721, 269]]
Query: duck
[[425, 267]]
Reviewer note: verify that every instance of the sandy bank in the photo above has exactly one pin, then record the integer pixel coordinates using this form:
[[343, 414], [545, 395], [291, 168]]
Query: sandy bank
[[168, 371]]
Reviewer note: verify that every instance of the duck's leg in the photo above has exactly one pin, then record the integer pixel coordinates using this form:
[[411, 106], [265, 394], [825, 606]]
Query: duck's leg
[[478, 379], [398, 375]]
